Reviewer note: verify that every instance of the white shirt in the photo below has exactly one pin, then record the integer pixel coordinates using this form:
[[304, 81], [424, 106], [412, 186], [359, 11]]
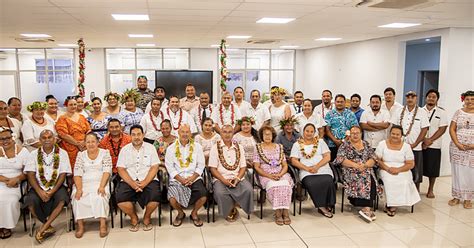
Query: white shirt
[[438, 120], [164, 106], [393, 110], [322, 149], [315, 119], [148, 128], [243, 107], [32, 165], [175, 123], [197, 113], [322, 110], [230, 157], [295, 108], [374, 137], [138, 162], [226, 115], [421, 121], [173, 167], [260, 115], [31, 131]]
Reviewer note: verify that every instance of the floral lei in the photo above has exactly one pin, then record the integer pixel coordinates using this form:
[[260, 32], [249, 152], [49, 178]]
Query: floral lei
[[313, 151], [40, 161], [266, 160], [180, 118], [412, 120], [224, 162], [153, 122], [200, 112], [178, 154], [221, 110], [323, 108]]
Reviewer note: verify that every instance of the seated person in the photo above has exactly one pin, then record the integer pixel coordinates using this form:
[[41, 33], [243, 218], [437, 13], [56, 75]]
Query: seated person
[[46, 170], [227, 165], [137, 165], [185, 165]]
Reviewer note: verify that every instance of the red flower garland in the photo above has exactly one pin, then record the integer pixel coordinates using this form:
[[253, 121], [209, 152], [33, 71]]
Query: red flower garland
[[153, 122], [180, 118], [232, 113], [82, 67]]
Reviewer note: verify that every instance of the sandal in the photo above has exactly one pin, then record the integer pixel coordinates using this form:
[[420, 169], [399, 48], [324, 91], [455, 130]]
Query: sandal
[[325, 214], [50, 231], [7, 233], [233, 215], [467, 204], [39, 237], [286, 219], [178, 221], [147, 227], [453, 202], [197, 222], [278, 218], [366, 215], [134, 228]]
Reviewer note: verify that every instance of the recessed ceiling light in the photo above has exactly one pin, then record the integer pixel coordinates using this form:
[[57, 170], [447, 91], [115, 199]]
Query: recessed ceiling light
[[68, 45], [36, 35], [238, 36], [145, 45], [399, 25], [427, 39], [140, 35], [327, 39], [288, 47], [122, 17], [275, 20]]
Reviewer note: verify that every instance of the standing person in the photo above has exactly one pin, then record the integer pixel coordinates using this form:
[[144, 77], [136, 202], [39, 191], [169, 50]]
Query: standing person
[[81, 106], [131, 114], [98, 119], [151, 122], [375, 122], [326, 106], [138, 166], [390, 104], [10, 123], [415, 125], [355, 106], [191, 101], [260, 113], [91, 189], [160, 94], [297, 106], [240, 102], [207, 138], [203, 111], [433, 140], [12, 160], [33, 126], [178, 116], [461, 151], [279, 110], [226, 113], [339, 121], [145, 93], [72, 128], [308, 116], [46, 170], [52, 112], [113, 107], [114, 141], [14, 109]]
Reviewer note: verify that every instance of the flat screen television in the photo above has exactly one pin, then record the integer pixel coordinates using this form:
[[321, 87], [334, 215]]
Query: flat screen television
[[175, 81]]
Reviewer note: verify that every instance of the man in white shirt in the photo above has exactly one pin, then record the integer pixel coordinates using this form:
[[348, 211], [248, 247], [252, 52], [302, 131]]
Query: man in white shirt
[[47, 195], [390, 104], [137, 165], [203, 111], [151, 122], [185, 164], [308, 116], [178, 116], [326, 105], [160, 93], [190, 101], [240, 102], [257, 110], [433, 140], [375, 122], [297, 106], [415, 125], [226, 113]]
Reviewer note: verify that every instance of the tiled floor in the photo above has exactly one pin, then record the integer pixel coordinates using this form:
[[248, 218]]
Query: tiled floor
[[434, 223]]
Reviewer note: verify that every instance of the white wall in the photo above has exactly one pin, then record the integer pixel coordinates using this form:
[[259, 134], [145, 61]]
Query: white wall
[[368, 67], [206, 59], [95, 80]]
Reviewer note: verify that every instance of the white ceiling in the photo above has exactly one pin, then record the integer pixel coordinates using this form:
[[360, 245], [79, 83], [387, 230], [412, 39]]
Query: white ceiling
[[201, 23]]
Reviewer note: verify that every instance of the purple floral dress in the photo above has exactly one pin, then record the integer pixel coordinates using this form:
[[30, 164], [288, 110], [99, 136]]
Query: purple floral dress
[[278, 192]]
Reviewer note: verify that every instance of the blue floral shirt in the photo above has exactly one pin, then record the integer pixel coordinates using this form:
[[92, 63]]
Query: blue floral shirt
[[129, 119], [339, 123]]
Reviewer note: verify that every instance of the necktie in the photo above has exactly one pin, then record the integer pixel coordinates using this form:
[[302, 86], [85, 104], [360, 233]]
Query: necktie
[[204, 116], [299, 109]]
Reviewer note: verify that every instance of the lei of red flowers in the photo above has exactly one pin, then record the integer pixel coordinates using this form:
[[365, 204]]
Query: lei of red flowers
[[221, 110], [180, 118], [153, 122]]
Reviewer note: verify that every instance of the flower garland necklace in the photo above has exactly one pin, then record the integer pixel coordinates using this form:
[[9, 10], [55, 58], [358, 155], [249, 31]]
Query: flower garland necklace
[[115, 151], [266, 160], [178, 154], [41, 162], [412, 120], [313, 151], [322, 107], [224, 163], [200, 112], [221, 110], [153, 122], [180, 118]]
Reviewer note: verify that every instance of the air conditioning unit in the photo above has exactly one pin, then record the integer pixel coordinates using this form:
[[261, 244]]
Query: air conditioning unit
[[394, 4]]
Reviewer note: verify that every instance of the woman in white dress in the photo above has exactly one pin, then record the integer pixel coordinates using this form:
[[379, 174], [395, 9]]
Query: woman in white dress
[[113, 107], [278, 110], [396, 159], [207, 138], [12, 160], [248, 139], [32, 127], [91, 191], [10, 123]]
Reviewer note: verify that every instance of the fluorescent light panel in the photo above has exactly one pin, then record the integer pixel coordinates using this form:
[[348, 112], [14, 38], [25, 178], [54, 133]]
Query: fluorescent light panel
[[238, 36], [36, 35], [145, 45], [127, 17], [275, 20], [399, 25], [140, 35], [328, 39]]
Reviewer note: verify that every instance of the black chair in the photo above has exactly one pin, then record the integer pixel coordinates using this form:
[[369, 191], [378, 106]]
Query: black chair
[[24, 209]]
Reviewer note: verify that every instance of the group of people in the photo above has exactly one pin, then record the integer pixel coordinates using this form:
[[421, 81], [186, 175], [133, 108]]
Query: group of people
[[72, 156]]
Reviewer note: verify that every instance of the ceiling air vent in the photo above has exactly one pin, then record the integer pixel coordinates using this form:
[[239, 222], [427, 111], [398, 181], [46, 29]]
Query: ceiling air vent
[[262, 42], [393, 4], [35, 40]]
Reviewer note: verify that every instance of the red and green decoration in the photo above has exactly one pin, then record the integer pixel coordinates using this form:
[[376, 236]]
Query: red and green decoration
[[82, 67], [223, 58]]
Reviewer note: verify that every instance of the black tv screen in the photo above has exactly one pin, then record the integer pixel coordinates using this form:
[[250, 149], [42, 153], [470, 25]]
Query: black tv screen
[[175, 81]]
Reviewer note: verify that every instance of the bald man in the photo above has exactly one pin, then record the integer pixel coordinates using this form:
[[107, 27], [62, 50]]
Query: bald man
[[185, 164]]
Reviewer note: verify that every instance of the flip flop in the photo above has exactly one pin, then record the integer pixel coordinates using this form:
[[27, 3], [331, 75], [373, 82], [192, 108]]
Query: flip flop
[[134, 228], [467, 204], [454, 202], [147, 227], [178, 221], [197, 222], [327, 214], [39, 237]]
